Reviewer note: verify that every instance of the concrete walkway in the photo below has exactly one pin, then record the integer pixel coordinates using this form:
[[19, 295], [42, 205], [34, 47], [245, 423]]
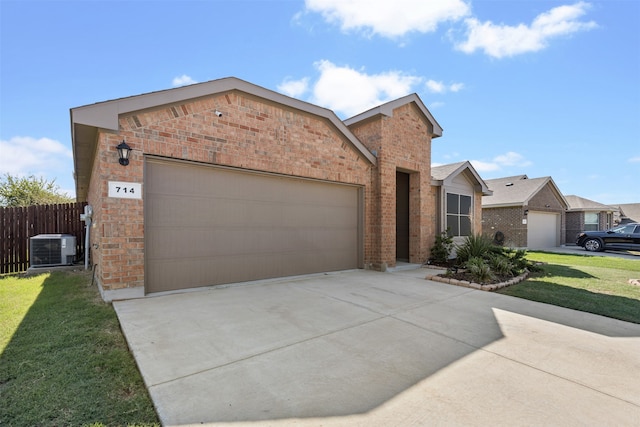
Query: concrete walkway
[[362, 348]]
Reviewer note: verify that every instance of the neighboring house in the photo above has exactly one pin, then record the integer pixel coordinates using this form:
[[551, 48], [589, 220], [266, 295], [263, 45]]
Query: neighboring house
[[628, 212], [528, 213], [587, 215], [458, 191], [229, 182]]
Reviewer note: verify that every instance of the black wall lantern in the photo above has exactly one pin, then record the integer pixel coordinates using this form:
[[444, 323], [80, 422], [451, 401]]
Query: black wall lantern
[[123, 153]]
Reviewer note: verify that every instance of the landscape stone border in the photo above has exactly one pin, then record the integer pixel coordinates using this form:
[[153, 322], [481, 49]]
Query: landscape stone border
[[479, 286]]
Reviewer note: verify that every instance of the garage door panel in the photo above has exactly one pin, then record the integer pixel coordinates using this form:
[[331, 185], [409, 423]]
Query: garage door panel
[[207, 211], [169, 275], [206, 226], [319, 216], [542, 230], [205, 242]]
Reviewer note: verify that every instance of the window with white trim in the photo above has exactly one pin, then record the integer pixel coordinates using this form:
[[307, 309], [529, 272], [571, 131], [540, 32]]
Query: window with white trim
[[591, 221], [458, 214]]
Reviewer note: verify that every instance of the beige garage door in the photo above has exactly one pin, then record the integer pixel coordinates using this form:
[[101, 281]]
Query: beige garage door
[[543, 230], [206, 226]]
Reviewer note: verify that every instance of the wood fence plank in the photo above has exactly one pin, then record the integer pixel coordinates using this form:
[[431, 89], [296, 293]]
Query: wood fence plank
[[19, 224]]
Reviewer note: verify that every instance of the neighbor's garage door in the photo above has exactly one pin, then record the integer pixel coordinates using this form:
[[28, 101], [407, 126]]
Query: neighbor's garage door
[[207, 226], [543, 230]]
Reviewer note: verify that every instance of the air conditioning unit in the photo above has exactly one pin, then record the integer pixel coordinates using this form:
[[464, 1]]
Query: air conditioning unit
[[48, 250]]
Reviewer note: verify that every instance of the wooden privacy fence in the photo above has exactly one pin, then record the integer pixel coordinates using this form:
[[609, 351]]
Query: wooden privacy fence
[[18, 224]]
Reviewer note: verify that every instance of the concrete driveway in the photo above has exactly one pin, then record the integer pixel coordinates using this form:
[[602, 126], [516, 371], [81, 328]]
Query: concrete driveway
[[578, 250], [378, 349]]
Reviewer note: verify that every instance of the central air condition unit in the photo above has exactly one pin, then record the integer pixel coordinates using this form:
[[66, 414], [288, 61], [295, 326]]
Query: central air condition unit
[[48, 250]]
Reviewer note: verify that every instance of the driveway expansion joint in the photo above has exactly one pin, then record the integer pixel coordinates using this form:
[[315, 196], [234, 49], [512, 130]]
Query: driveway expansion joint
[[271, 350]]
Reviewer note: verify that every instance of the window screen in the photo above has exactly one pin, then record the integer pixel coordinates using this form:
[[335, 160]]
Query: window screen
[[458, 214]]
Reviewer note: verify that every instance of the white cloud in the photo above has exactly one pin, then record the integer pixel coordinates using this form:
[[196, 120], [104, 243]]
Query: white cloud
[[389, 18], [481, 166], [440, 87], [294, 88], [183, 80], [511, 159], [435, 87], [504, 160], [41, 157], [500, 40], [456, 87], [634, 159], [349, 91]]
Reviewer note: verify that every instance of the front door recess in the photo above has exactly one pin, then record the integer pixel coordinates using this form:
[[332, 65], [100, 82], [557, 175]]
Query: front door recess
[[402, 216]]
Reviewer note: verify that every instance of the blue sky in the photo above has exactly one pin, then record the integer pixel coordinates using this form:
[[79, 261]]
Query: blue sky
[[542, 88]]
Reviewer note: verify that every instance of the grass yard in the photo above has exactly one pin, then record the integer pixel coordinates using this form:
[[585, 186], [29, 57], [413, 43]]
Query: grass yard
[[587, 283], [63, 358]]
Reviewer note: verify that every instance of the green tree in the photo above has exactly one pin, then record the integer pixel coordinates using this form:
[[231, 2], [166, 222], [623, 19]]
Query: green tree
[[27, 191]]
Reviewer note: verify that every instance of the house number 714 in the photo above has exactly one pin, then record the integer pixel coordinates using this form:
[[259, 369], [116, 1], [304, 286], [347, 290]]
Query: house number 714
[[125, 190]]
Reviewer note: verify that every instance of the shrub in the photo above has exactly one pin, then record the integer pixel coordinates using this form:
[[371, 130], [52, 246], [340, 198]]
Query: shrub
[[476, 246], [501, 265], [441, 249], [479, 270], [519, 261]]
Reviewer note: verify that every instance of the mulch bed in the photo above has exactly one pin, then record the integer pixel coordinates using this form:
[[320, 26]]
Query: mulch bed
[[462, 278]]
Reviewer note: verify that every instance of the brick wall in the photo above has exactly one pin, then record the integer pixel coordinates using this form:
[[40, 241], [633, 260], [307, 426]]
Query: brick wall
[[402, 143], [117, 230], [509, 221], [575, 224], [251, 134]]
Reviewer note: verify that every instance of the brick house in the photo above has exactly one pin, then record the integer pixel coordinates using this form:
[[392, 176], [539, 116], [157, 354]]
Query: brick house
[[228, 182], [626, 213], [587, 215], [458, 191], [528, 213]]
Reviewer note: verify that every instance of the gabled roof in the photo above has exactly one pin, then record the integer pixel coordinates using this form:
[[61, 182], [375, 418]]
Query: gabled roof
[[387, 110], [518, 191], [444, 174], [86, 120], [630, 211], [577, 203]]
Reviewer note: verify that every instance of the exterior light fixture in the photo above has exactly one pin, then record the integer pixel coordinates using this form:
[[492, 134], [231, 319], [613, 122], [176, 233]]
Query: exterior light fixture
[[123, 152]]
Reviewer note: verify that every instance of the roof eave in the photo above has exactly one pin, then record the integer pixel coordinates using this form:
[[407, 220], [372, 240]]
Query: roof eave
[[503, 205], [105, 115], [387, 110]]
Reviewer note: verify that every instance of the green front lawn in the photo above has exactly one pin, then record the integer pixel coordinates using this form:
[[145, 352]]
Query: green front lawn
[[63, 358], [587, 283]]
